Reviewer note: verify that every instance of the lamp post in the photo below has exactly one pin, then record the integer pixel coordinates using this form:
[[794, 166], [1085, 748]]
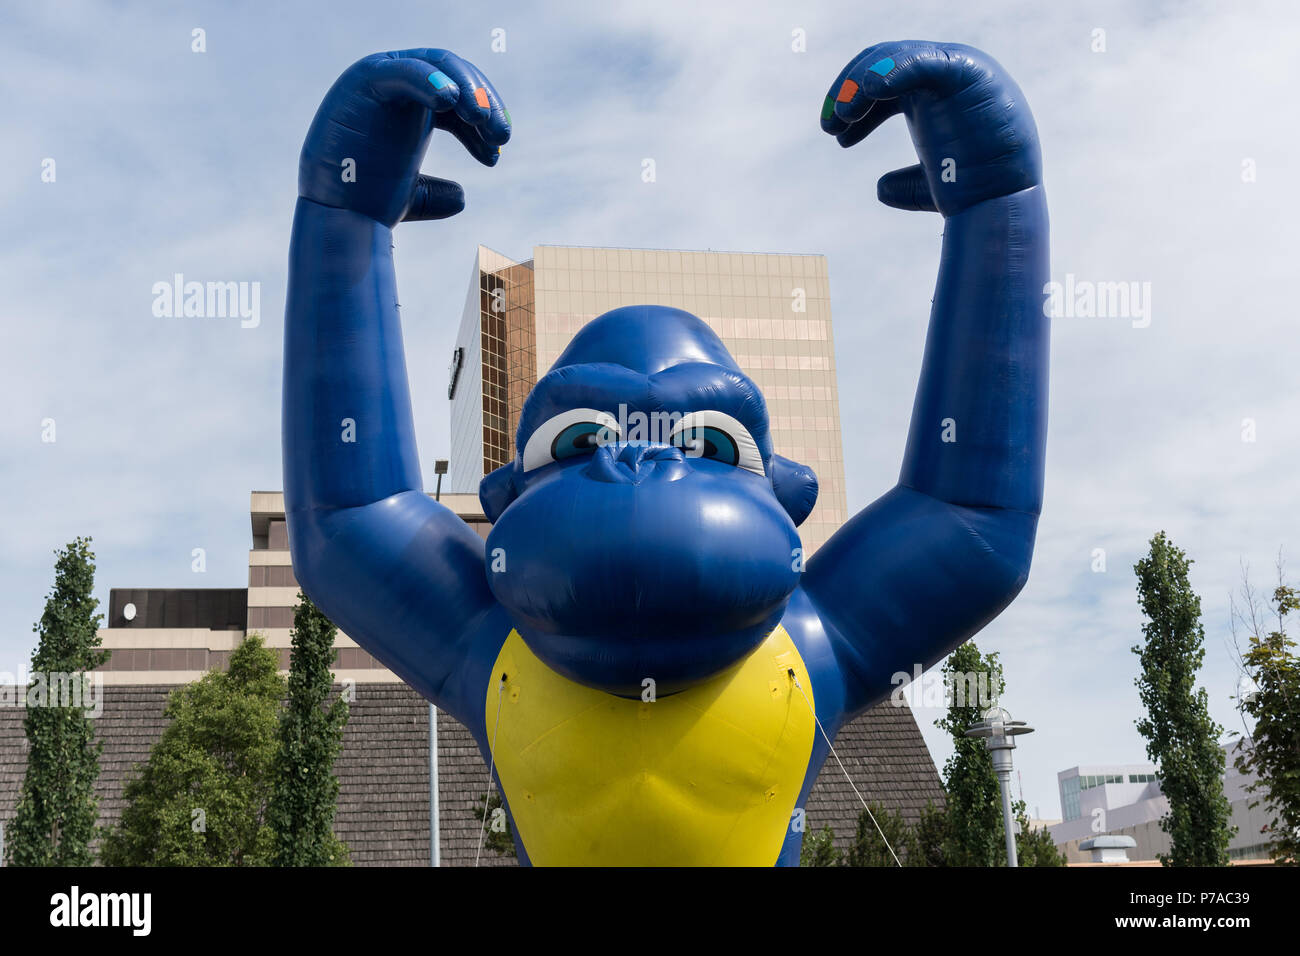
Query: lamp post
[[435, 854], [999, 732]]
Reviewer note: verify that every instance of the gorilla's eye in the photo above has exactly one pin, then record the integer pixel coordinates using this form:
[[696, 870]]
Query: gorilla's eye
[[577, 439], [575, 432], [708, 443], [716, 435]]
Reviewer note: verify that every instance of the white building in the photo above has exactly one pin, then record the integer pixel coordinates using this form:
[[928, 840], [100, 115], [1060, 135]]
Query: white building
[[1126, 800]]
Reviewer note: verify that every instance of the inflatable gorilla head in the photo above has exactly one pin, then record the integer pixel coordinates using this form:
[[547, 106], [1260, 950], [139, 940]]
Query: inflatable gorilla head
[[646, 527]]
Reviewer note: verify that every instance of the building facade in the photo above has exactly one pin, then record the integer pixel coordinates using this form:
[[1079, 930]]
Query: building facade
[[1126, 800], [771, 310]]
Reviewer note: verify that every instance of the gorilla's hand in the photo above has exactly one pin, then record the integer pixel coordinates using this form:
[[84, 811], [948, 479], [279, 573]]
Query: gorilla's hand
[[364, 148], [969, 121]]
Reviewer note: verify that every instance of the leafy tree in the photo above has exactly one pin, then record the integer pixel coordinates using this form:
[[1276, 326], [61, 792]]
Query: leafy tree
[[1034, 845], [301, 811], [869, 849], [500, 837], [1272, 751], [1182, 740], [931, 837], [201, 798], [974, 833], [54, 821], [819, 849]]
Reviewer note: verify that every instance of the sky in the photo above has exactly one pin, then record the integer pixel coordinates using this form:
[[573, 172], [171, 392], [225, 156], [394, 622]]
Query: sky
[[1167, 137]]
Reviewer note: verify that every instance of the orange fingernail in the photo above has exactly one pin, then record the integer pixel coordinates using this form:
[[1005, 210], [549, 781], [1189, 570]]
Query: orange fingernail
[[480, 97], [847, 91]]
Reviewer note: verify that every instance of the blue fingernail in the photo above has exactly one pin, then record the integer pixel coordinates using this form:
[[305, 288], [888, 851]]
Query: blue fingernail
[[439, 79], [882, 67]]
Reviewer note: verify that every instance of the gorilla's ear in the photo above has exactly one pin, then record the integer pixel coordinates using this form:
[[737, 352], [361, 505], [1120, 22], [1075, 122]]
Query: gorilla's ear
[[496, 491], [795, 486]]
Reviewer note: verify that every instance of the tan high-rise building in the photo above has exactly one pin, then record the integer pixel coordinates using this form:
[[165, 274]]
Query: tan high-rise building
[[772, 311]]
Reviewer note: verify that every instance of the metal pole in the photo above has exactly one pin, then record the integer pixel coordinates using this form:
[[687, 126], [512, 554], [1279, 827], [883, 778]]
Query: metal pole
[[1004, 784], [434, 854], [435, 851], [999, 733]]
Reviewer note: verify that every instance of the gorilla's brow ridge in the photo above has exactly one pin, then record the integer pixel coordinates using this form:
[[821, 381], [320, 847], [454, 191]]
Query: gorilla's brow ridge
[[690, 386]]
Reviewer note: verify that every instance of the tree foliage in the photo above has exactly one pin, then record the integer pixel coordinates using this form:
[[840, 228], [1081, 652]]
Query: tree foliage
[[1272, 701], [868, 849], [201, 798], [54, 821], [1034, 845], [305, 793], [818, 848], [491, 813], [973, 833], [1181, 738], [931, 837]]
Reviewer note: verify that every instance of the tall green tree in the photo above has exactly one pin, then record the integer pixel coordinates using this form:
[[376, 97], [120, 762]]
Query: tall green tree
[[1181, 738], [974, 830], [305, 795], [1272, 751], [201, 798], [55, 818]]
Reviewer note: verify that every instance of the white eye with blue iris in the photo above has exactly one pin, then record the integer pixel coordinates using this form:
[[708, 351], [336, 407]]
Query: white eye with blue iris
[[577, 431], [718, 436]]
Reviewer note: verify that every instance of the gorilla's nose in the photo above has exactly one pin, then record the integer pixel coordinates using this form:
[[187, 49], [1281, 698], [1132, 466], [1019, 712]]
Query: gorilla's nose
[[633, 462]]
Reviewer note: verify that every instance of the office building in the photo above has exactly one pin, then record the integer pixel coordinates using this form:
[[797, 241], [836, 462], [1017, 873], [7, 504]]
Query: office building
[[771, 310]]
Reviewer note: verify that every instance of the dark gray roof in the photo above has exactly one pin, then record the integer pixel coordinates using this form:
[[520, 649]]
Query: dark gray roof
[[383, 810]]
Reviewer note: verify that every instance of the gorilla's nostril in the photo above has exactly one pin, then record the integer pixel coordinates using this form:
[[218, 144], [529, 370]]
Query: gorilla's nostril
[[630, 462], [665, 453], [605, 466]]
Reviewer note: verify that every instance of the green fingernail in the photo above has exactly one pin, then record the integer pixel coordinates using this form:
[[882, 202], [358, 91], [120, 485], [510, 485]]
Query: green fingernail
[[828, 108], [507, 112]]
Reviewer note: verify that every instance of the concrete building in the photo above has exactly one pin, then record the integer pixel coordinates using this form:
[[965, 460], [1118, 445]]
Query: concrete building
[[1126, 800], [172, 636], [771, 310]]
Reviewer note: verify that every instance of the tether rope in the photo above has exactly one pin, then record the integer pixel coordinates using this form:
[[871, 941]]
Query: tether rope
[[492, 762], [794, 677]]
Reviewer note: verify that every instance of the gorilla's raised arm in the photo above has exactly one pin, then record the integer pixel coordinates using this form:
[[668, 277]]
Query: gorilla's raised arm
[[932, 561], [400, 574]]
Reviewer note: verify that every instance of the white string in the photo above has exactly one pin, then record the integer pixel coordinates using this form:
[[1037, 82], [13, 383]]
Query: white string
[[811, 710], [492, 762]]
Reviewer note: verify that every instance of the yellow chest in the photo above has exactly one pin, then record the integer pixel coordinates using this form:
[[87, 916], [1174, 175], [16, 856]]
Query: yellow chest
[[707, 776]]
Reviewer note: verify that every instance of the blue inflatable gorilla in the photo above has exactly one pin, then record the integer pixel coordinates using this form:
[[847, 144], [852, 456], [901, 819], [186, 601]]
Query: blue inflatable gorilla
[[640, 650]]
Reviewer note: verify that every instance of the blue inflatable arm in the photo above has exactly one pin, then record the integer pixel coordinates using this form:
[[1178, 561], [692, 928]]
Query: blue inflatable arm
[[390, 567], [931, 562]]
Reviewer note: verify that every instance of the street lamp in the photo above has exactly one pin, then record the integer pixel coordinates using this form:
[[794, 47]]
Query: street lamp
[[435, 854], [999, 732]]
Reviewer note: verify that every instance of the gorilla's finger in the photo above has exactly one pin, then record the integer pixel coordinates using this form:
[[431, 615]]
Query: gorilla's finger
[[469, 137], [434, 198], [906, 189], [408, 78]]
